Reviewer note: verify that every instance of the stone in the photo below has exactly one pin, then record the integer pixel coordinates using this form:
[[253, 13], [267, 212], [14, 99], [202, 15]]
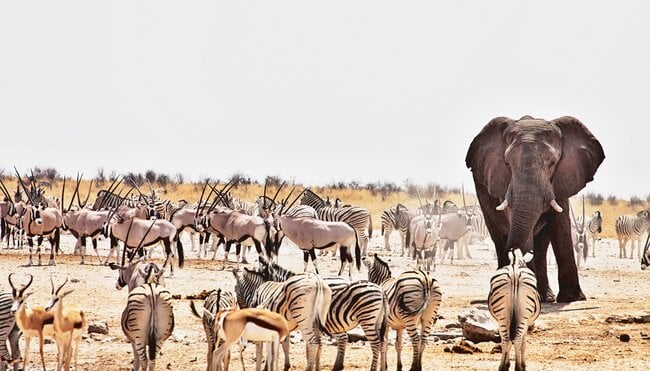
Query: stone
[[478, 326], [98, 328]]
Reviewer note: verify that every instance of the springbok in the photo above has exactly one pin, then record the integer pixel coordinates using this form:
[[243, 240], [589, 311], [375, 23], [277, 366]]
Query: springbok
[[250, 324], [69, 324], [32, 322]]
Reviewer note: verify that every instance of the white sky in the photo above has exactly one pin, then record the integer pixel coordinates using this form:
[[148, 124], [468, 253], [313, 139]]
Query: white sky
[[319, 91]]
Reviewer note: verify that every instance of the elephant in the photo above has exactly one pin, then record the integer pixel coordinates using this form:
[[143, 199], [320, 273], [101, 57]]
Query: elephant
[[524, 172]]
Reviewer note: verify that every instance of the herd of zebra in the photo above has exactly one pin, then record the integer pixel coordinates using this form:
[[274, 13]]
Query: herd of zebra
[[285, 300]]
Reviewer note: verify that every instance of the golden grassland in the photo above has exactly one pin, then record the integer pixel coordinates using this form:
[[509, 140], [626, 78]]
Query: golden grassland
[[375, 202]]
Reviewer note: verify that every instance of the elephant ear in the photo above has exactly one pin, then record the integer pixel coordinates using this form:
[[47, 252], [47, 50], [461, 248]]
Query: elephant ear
[[485, 157], [581, 156]]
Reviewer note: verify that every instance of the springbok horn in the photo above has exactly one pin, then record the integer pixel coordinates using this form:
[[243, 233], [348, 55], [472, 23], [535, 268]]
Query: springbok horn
[[555, 206], [503, 205], [60, 287]]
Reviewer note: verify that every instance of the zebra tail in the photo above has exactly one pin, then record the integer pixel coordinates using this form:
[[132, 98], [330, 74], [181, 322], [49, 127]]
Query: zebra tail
[[323, 302], [408, 237], [357, 251], [370, 226], [382, 229], [181, 254], [195, 312], [152, 343]]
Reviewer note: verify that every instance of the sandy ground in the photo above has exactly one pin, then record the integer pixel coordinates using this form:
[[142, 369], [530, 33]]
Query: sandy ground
[[568, 337]]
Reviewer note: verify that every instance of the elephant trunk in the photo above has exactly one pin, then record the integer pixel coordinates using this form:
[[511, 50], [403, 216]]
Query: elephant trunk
[[526, 207]]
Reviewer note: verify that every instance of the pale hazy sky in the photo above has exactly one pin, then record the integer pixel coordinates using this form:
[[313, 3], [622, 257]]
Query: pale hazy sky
[[319, 91]]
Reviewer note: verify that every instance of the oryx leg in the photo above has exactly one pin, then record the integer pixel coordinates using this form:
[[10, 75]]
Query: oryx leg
[[346, 258], [238, 251], [94, 242], [30, 243], [54, 246], [312, 254], [82, 248], [225, 257], [168, 251]]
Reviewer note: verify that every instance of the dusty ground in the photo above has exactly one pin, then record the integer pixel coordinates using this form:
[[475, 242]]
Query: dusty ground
[[574, 336]]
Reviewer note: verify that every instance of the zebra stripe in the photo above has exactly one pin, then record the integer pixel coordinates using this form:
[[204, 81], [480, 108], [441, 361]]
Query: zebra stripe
[[8, 328], [357, 217], [413, 301], [109, 200], [514, 303], [147, 321], [392, 220], [629, 228], [360, 303], [303, 300], [217, 301]]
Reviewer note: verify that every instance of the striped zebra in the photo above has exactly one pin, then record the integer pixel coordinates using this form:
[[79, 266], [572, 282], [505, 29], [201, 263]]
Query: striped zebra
[[108, 200], [629, 228], [413, 301], [217, 301], [395, 219], [147, 321], [266, 207], [9, 332], [360, 303], [303, 300], [594, 227], [357, 217], [515, 304]]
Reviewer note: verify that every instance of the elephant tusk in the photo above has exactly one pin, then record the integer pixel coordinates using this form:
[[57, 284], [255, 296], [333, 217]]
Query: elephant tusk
[[555, 206], [503, 205]]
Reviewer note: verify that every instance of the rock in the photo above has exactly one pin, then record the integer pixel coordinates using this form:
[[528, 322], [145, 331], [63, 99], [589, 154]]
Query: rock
[[48, 341], [453, 325], [642, 319], [353, 338], [176, 296], [624, 338], [478, 326], [74, 280], [98, 328], [463, 347], [200, 296]]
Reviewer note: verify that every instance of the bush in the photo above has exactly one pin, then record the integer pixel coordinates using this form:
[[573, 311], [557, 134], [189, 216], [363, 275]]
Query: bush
[[594, 199], [636, 201], [150, 176], [134, 178]]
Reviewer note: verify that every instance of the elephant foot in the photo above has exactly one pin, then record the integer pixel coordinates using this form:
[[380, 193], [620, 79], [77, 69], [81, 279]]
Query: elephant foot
[[567, 296], [547, 295]]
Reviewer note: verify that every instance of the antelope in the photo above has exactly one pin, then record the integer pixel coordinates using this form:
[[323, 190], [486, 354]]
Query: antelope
[[236, 227], [41, 222], [69, 323], [309, 234], [579, 235], [138, 273], [422, 236], [9, 214], [32, 322], [251, 324], [148, 232]]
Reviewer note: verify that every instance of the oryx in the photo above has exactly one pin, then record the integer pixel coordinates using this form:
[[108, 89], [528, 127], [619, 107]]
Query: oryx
[[579, 235], [422, 237], [311, 233], [41, 222]]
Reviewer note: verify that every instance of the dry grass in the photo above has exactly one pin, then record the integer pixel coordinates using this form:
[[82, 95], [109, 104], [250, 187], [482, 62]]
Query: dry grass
[[373, 201]]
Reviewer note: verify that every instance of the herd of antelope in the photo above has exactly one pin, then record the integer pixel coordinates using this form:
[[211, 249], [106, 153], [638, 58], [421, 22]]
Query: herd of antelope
[[269, 301]]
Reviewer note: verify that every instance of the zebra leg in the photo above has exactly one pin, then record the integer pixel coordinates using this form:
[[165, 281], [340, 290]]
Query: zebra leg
[[505, 354], [341, 344], [398, 347], [312, 254], [285, 349], [520, 363], [387, 233], [416, 364], [372, 331]]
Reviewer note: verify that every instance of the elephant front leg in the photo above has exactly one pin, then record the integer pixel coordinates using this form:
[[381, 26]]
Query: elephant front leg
[[540, 249], [560, 233]]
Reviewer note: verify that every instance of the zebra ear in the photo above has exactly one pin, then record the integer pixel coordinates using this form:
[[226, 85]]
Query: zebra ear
[[528, 257]]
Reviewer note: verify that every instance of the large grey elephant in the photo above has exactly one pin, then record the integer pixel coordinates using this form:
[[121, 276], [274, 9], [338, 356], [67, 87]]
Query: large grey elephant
[[525, 171]]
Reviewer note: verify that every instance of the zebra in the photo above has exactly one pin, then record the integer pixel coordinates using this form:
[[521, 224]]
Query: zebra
[[413, 301], [303, 300], [107, 199], [357, 217], [217, 301], [395, 219], [359, 303], [514, 303], [629, 228], [147, 321], [8, 332]]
